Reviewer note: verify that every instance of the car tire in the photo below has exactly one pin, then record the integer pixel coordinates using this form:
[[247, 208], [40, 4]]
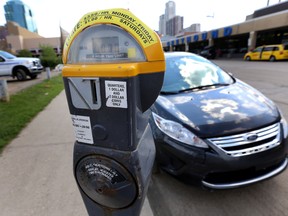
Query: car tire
[[248, 58], [272, 59], [21, 75]]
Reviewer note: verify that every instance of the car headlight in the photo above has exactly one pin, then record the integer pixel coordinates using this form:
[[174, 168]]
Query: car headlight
[[178, 132], [285, 127], [284, 124]]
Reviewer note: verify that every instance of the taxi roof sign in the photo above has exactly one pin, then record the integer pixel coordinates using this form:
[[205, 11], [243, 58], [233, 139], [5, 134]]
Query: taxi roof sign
[[123, 18]]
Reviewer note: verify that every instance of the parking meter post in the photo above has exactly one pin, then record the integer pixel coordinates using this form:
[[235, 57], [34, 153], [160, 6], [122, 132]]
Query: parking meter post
[[113, 72]]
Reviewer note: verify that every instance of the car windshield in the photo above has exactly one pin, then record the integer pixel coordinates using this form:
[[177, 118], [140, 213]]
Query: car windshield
[[7, 55], [188, 73]]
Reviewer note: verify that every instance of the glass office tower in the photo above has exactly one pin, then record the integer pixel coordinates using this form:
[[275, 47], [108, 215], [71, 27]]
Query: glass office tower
[[17, 11]]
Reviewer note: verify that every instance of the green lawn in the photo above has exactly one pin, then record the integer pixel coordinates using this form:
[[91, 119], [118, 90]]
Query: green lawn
[[24, 106]]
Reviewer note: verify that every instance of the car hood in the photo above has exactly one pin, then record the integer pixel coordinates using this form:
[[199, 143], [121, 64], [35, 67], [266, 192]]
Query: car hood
[[219, 112], [21, 59]]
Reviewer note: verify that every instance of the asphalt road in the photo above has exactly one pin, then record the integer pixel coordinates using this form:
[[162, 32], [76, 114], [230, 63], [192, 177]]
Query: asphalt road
[[169, 197]]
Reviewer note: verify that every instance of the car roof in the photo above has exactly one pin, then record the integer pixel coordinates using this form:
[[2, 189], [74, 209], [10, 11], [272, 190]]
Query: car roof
[[271, 45], [177, 54]]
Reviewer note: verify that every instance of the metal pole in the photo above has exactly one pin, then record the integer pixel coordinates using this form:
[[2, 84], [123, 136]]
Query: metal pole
[[48, 73], [4, 95]]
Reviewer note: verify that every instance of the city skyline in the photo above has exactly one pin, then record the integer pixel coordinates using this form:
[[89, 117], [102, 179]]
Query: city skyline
[[51, 15]]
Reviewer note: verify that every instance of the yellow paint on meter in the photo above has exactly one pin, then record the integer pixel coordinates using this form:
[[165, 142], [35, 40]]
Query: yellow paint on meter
[[113, 48], [113, 44]]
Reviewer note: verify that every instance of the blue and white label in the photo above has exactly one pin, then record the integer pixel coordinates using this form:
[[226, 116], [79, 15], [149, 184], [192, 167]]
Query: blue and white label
[[82, 128], [116, 94]]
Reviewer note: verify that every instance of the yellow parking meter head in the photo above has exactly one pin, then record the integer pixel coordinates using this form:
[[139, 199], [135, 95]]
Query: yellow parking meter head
[[147, 39], [116, 44]]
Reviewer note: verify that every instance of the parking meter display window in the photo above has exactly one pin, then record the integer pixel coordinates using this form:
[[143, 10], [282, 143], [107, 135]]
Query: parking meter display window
[[105, 43]]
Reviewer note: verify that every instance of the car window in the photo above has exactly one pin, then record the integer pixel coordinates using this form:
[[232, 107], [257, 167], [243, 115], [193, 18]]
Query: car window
[[268, 49], [2, 60], [185, 72], [286, 47], [276, 49], [7, 55], [258, 49]]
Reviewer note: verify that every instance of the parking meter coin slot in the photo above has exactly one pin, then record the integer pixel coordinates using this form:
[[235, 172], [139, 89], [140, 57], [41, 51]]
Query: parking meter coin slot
[[106, 181], [94, 91], [85, 93]]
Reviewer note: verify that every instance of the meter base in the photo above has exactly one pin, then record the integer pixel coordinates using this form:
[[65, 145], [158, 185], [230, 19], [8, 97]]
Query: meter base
[[113, 181]]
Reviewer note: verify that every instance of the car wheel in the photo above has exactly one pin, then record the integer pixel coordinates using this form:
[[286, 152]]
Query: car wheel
[[33, 76], [21, 75], [272, 59], [248, 58]]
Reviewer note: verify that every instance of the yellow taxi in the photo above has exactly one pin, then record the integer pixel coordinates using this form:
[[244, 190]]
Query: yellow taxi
[[268, 52]]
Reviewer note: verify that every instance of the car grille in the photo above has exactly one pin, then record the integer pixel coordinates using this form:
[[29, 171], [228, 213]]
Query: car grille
[[249, 143]]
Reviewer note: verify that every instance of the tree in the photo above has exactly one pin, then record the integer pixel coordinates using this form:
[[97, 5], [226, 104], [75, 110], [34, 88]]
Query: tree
[[24, 53], [48, 56]]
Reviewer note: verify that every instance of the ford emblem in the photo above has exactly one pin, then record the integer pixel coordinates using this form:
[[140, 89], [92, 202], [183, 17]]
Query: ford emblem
[[251, 137]]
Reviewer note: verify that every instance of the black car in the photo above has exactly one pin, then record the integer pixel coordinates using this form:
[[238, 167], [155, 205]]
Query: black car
[[208, 52], [214, 129]]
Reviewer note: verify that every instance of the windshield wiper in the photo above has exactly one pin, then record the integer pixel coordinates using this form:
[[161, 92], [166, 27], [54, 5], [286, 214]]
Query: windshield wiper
[[203, 87], [169, 92]]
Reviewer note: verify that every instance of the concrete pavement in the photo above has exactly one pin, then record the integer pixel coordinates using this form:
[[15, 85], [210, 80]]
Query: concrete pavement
[[36, 168]]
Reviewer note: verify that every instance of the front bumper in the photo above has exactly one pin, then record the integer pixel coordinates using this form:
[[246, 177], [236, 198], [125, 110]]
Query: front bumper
[[215, 171], [274, 171], [36, 69]]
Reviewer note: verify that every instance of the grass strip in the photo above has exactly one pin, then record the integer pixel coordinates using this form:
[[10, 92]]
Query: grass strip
[[24, 106]]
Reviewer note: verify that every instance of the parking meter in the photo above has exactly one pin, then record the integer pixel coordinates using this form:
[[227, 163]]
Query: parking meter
[[113, 72]]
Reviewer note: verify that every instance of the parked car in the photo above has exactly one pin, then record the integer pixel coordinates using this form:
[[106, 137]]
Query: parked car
[[213, 129], [208, 52], [268, 53], [20, 68]]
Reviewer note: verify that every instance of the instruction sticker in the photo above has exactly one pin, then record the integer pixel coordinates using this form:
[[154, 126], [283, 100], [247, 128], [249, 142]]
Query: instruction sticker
[[82, 128], [116, 94]]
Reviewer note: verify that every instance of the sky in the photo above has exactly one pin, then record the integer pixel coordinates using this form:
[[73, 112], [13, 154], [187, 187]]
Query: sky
[[211, 14]]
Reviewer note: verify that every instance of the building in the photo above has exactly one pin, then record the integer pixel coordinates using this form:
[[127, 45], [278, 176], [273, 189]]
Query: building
[[194, 28], [162, 25], [169, 23], [18, 38], [265, 26], [174, 26], [16, 11], [170, 10]]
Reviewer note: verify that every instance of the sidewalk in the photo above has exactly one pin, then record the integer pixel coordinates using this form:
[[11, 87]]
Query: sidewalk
[[36, 168]]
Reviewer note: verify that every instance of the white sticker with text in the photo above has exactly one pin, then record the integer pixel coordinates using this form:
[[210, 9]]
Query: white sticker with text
[[82, 128], [116, 94]]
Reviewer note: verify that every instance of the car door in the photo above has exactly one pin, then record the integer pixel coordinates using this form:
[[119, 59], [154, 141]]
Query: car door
[[3, 66], [285, 51], [256, 53], [267, 52]]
